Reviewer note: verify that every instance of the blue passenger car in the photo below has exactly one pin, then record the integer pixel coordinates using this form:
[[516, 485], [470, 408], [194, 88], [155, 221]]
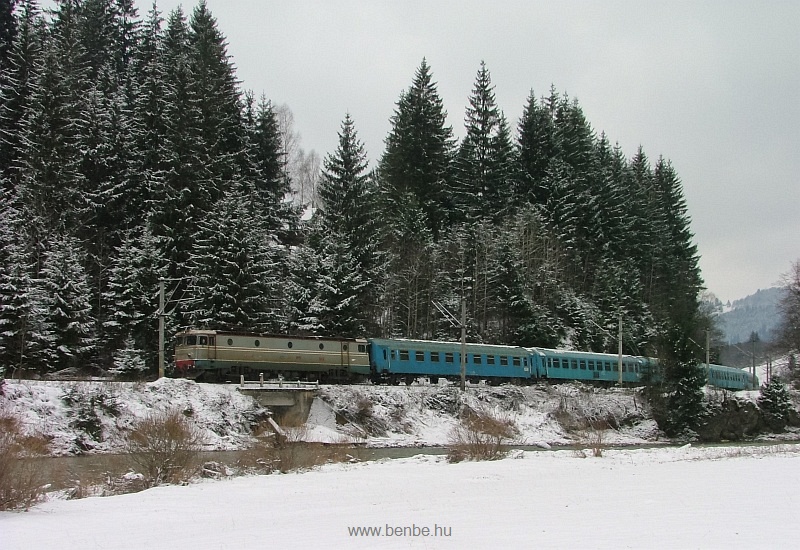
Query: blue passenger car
[[396, 360], [578, 365], [731, 378]]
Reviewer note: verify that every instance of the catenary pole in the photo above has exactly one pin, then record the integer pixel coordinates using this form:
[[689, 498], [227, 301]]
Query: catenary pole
[[463, 344], [619, 365], [161, 314]]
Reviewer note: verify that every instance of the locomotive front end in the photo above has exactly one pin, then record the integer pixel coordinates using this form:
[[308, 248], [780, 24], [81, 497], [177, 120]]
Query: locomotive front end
[[194, 352]]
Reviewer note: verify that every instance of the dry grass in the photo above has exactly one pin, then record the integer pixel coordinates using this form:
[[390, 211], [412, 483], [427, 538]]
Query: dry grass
[[480, 435], [593, 436], [165, 447], [21, 482]]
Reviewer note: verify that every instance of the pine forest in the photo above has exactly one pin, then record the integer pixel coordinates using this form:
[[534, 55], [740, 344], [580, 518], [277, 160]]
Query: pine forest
[[132, 153]]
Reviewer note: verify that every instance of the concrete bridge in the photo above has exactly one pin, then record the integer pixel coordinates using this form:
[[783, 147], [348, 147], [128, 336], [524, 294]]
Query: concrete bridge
[[290, 402]]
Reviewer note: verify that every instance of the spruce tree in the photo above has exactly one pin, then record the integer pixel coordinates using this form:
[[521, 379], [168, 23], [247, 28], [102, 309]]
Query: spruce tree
[[346, 196], [8, 31], [130, 301], [535, 149], [679, 280], [347, 214], [419, 153], [23, 336], [235, 270], [66, 294], [775, 403], [485, 174], [683, 381], [337, 306], [129, 361]]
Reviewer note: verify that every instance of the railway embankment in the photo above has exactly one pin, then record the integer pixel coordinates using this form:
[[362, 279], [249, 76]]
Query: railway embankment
[[95, 417]]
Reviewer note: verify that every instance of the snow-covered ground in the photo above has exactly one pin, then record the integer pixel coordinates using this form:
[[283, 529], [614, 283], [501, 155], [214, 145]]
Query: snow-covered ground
[[744, 497]]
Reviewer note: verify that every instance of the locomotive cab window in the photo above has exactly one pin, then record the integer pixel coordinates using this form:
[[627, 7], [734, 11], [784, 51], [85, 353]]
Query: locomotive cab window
[[204, 340], [191, 340], [179, 341], [212, 341], [362, 348]]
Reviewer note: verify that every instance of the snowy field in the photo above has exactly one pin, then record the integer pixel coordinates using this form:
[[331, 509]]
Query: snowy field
[[725, 497]]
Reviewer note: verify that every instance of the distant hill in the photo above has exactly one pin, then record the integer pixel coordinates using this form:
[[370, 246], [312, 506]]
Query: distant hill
[[755, 313]]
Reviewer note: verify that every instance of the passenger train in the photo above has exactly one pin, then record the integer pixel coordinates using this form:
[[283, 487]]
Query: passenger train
[[218, 355]]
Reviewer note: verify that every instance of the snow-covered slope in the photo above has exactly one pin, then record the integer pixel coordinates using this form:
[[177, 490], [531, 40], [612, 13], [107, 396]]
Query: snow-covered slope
[[80, 417]]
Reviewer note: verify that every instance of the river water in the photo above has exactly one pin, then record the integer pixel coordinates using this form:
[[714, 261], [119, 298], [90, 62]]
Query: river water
[[64, 472]]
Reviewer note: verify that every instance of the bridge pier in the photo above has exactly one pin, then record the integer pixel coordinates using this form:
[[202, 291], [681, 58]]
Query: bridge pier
[[290, 402]]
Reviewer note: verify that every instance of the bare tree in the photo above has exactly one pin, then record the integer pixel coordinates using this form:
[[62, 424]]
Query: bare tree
[[290, 138], [305, 179], [789, 329]]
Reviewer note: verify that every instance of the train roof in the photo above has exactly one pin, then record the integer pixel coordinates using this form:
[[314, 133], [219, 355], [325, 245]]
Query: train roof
[[546, 352], [268, 335], [433, 344]]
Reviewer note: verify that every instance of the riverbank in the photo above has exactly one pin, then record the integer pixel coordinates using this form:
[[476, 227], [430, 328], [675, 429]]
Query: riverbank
[[96, 417]]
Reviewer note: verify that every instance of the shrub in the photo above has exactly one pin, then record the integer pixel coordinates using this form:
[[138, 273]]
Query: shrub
[[166, 447], [775, 403], [480, 435], [21, 482]]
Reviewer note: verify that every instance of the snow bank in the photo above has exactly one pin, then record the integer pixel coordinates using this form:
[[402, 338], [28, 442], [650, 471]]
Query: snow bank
[[81, 417]]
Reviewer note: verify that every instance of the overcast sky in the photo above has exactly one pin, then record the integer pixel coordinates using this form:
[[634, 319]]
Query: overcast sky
[[712, 86]]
